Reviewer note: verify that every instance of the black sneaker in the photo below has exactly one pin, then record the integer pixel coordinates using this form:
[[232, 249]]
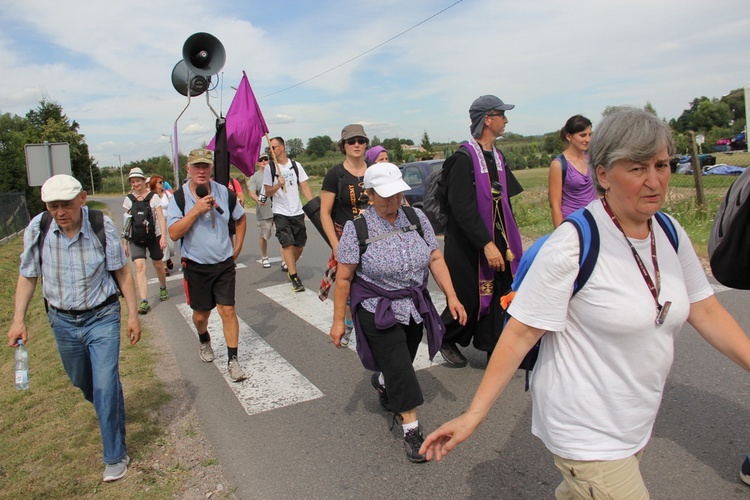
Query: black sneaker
[[413, 440], [381, 392], [297, 285], [745, 470], [452, 355]]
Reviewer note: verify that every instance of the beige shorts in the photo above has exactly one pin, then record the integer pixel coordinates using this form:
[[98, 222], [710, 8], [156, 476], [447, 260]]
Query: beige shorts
[[266, 228], [601, 479]]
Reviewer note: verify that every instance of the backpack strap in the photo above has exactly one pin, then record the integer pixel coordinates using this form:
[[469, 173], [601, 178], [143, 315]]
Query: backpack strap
[[363, 234], [563, 164], [179, 198], [588, 238], [132, 199], [411, 214], [360, 225], [668, 226]]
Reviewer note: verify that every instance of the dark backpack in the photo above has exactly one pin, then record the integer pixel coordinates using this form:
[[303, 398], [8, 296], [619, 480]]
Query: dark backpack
[[143, 228], [96, 219], [363, 234], [729, 243], [588, 237], [435, 204]]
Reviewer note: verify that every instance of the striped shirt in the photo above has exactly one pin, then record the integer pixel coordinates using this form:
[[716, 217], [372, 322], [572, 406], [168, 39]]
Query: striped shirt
[[74, 274]]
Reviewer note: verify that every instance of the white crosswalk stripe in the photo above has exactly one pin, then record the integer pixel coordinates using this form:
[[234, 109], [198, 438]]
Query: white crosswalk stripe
[[272, 382], [319, 314]]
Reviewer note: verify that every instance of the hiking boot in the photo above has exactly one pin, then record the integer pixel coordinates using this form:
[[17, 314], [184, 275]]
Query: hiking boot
[[297, 285], [745, 470], [236, 373], [116, 471], [163, 295], [206, 352], [452, 355], [143, 307], [381, 392], [413, 440]]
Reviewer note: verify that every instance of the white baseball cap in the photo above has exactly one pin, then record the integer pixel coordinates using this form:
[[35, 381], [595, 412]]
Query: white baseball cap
[[385, 179]]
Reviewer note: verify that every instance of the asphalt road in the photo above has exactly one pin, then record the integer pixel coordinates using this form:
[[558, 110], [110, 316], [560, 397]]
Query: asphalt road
[[333, 440]]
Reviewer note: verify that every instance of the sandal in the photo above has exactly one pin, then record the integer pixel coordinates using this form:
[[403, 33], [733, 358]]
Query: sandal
[[265, 263]]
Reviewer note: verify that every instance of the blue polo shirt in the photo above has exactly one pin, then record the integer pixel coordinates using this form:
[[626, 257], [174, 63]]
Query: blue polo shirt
[[207, 241]]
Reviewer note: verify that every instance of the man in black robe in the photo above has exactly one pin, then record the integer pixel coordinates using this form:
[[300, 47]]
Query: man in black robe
[[482, 243]]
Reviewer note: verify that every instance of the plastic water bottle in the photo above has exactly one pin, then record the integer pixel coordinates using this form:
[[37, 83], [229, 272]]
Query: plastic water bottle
[[22, 367], [262, 196]]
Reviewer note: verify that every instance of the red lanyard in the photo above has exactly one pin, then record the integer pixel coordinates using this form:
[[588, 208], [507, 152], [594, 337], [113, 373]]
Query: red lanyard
[[661, 311]]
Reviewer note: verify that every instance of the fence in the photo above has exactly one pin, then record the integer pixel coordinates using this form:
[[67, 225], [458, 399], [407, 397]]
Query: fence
[[14, 215]]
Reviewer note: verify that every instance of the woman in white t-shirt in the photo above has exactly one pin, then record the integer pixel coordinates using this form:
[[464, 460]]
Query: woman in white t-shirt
[[602, 366], [156, 183]]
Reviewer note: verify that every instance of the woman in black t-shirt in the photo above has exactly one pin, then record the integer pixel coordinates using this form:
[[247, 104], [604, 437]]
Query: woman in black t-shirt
[[342, 197]]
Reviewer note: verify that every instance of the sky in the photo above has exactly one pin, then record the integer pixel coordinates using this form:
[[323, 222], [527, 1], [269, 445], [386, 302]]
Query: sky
[[399, 68]]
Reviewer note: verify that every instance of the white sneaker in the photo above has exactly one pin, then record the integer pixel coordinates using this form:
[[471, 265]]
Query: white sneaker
[[265, 262], [206, 352], [116, 471], [236, 373]]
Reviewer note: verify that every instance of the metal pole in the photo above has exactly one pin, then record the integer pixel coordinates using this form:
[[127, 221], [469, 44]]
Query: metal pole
[[91, 174], [48, 158], [122, 177]]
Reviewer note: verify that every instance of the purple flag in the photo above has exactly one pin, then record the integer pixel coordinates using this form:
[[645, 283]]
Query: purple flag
[[245, 129]]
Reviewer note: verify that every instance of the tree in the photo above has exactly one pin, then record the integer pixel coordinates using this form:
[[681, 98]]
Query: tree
[[426, 145], [648, 107], [48, 123], [395, 151], [318, 146], [375, 141], [294, 147]]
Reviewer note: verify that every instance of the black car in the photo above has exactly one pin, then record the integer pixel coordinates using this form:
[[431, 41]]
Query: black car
[[415, 175]]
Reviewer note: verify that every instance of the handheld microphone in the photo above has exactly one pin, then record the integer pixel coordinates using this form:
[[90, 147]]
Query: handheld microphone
[[201, 190]]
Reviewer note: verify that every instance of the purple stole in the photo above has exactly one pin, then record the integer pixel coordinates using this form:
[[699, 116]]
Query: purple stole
[[485, 209]]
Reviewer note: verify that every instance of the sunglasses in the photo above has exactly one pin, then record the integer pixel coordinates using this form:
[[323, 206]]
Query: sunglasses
[[499, 113], [356, 140]]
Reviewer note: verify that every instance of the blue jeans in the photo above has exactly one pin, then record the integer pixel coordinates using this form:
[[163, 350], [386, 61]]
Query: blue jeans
[[89, 346]]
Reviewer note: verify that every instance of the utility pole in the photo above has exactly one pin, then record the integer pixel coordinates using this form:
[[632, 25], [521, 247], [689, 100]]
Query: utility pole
[[174, 162], [122, 177]]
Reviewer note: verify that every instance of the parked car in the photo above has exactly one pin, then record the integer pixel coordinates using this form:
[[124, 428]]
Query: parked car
[[415, 175]]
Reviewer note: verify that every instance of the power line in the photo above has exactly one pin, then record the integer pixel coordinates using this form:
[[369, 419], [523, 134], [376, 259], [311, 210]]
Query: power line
[[363, 53]]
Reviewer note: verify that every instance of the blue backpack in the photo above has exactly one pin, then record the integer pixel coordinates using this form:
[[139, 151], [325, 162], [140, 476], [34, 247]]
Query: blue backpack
[[588, 237]]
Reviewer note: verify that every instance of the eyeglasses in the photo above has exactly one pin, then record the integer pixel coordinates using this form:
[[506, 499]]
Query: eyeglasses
[[499, 113], [356, 140]]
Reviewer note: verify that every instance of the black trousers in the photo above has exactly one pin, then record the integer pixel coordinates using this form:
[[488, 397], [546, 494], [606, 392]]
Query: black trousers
[[395, 349]]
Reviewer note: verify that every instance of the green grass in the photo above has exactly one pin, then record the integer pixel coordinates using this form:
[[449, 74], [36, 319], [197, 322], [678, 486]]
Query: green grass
[[50, 446], [531, 207]]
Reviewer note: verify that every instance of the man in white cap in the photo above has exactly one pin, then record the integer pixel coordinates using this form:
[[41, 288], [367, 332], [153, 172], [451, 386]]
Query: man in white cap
[[199, 216], [83, 308], [482, 242]]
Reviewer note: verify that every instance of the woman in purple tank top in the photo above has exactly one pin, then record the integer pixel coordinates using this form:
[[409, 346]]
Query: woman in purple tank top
[[575, 190]]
